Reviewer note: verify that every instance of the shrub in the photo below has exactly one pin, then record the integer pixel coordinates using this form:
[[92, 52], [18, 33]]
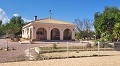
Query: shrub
[[103, 44], [54, 46], [95, 43], [77, 36], [88, 45]]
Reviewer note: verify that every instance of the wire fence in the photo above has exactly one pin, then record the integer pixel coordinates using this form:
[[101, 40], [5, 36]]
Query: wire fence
[[71, 51]]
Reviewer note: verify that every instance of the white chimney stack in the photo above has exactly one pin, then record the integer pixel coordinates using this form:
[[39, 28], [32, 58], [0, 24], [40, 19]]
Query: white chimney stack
[[35, 18]]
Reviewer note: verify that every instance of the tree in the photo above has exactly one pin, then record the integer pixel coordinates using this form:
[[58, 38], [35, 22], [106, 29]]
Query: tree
[[84, 28], [116, 31], [0, 22], [0, 27], [14, 27], [87, 24], [79, 24], [104, 22]]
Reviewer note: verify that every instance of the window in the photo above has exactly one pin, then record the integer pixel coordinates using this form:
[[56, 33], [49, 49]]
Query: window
[[23, 31]]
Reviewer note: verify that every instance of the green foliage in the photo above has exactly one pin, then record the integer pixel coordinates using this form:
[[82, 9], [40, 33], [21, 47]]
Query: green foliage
[[77, 35], [103, 44], [13, 27], [1, 27], [105, 36], [95, 43], [0, 22], [84, 35], [104, 22], [116, 31]]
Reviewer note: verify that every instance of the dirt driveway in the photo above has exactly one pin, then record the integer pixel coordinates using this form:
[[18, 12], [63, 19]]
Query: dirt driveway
[[89, 61]]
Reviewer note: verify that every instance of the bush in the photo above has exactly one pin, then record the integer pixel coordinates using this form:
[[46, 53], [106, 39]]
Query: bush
[[77, 36], [54, 46], [102, 44], [88, 45], [95, 43]]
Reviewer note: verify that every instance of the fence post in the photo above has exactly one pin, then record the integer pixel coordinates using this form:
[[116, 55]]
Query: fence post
[[29, 50], [98, 48], [6, 45], [67, 49]]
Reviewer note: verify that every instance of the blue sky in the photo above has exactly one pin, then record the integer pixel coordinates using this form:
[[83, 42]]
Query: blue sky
[[66, 10]]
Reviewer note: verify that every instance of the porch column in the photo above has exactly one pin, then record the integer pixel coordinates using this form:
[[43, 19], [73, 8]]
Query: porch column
[[28, 32], [34, 32], [48, 34], [73, 34], [61, 34]]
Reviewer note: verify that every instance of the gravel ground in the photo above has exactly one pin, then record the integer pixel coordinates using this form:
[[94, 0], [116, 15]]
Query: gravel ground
[[12, 55], [7, 56]]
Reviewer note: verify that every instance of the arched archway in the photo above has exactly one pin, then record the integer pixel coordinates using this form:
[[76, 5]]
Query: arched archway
[[55, 34], [41, 34], [67, 35]]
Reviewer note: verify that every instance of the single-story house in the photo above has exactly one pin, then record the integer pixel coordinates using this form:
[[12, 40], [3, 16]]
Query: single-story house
[[48, 29]]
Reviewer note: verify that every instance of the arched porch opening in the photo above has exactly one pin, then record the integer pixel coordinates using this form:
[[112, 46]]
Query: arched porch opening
[[41, 34], [55, 34], [67, 35]]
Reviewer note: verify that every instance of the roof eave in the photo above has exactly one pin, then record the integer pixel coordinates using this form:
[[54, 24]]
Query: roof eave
[[26, 25]]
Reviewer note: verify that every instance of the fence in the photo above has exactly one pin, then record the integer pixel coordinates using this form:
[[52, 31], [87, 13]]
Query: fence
[[71, 50]]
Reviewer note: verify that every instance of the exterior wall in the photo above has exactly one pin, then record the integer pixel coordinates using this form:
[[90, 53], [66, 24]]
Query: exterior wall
[[28, 32], [48, 28], [25, 33]]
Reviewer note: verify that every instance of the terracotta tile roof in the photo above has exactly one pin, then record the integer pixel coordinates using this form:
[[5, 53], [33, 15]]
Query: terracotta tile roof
[[48, 20]]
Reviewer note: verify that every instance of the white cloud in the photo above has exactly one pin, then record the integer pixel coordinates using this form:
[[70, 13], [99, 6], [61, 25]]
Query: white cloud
[[3, 16], [16, 15], [5, 19], [26, 20]]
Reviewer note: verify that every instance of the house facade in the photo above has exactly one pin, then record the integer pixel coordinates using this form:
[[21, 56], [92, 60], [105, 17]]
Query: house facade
[[48, 29]]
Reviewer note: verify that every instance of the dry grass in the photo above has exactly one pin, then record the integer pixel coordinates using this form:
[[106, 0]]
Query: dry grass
[[79, 53]]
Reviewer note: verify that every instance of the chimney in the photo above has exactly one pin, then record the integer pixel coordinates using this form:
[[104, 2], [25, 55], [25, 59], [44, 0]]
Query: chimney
[[35, 18]]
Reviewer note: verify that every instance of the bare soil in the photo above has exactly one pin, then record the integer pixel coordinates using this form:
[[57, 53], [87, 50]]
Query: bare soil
[[89, 61]]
